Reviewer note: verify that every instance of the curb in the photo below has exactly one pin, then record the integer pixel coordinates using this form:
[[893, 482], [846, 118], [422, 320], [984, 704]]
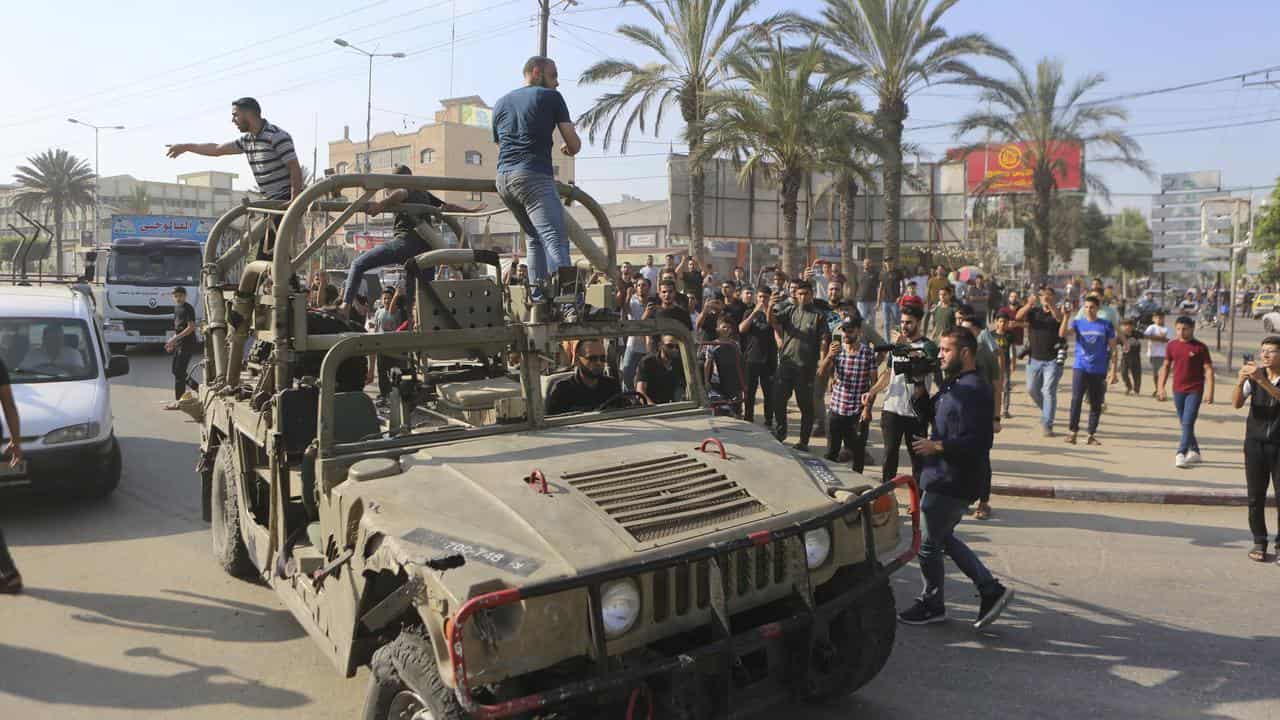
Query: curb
[[1233, 498]]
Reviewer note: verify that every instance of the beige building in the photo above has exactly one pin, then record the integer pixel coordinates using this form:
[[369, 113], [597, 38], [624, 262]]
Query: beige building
[[458, 144]]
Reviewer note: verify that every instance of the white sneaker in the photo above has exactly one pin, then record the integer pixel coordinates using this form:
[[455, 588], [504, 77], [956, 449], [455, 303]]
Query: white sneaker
[[1179, 460], [1193, 457]]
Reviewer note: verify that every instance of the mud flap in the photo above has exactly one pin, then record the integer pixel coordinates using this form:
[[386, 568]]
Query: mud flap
[[204, 467]]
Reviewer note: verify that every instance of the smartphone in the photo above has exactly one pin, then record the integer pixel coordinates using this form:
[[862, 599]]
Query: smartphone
[[1248, 358]]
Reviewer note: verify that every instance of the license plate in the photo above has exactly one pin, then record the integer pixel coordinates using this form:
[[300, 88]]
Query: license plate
[[8, 471]]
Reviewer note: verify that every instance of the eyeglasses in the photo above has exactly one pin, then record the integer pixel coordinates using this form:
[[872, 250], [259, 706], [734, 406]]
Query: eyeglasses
[[596, 358]]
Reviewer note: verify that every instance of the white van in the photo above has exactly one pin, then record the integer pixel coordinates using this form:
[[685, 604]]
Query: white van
[[51, 342]]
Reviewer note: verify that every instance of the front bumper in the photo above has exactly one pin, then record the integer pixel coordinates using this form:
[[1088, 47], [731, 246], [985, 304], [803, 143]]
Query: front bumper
[[67, 467], [730, 645]]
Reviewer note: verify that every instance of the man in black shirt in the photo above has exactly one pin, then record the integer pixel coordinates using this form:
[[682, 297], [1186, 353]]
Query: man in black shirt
[[660, 377], [10, 578], [589, 388], [759, 353], [868, 291], [405, 242], [668, 305], [804, 332], [734, 308], [1258, 384], [1042, 318], [182, 344]]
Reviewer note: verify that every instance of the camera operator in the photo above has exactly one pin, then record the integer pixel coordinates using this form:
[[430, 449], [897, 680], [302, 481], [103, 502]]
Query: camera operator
[[956, 457], [803, 333], [899, 417]]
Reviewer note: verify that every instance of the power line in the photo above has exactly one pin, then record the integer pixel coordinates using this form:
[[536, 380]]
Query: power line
[[1133, 95]]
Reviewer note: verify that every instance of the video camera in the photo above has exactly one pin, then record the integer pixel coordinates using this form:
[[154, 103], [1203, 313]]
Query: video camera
[[911, 361]]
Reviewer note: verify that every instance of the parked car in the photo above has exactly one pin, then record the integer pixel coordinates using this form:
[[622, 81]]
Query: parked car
[[1271, 321], [58, 360], [1265, 303]]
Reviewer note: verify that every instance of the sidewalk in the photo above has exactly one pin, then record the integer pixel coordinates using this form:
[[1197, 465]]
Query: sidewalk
[[1139, 437]]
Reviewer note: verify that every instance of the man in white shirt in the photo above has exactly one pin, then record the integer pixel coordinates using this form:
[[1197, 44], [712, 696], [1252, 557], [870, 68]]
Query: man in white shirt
[[650, 273], [637, 345], [54, 351], [1157, 342]]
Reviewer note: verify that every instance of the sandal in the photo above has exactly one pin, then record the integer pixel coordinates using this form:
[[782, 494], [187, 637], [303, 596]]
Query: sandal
[[1093, 441], [1071, 439], [983, 512], [1258, 553]]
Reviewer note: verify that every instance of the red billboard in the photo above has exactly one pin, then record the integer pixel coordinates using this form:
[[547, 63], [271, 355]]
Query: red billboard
[[1005, 169]]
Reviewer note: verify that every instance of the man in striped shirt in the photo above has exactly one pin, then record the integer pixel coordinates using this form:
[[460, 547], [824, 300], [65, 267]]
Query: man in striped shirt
[[269, 149], [851, 365]]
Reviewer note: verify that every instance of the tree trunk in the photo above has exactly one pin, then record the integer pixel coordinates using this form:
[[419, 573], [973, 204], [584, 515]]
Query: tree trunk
[[1044, 229], [889, 117], [697, 193], [57, 236], [790, 210], [847, 192]]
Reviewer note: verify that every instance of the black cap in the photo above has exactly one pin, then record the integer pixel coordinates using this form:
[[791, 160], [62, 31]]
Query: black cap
[[179, 289]]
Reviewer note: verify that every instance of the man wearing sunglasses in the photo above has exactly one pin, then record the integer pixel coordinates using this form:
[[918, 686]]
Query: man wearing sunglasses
[[589, 387]]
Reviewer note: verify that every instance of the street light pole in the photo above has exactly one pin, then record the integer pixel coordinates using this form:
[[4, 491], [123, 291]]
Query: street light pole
[[368, 117], [96, 175]]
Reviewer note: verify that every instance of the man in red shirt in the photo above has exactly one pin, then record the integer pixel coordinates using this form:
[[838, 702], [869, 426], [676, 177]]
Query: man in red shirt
[[1188, 360]]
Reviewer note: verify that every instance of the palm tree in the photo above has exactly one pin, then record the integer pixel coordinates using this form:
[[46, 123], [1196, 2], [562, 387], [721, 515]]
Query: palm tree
[[694, 40], [845, 148], [138, 202], [773, 122], [1048, 117], [55, 181], [902, 49]]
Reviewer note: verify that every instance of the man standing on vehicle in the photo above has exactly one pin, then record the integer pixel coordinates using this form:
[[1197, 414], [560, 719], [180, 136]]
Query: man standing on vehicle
[[182, 344], [523, 123], [803, 332], [10, 578], [956, 457], [270, 153]]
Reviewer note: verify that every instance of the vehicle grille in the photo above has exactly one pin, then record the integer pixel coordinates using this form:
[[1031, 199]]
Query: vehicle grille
[[146, 309], [658, 499], [682, 589]]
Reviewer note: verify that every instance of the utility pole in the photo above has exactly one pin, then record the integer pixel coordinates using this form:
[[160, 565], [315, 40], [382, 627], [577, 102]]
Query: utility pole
[[544, 19], [368, 118], [96, 178]]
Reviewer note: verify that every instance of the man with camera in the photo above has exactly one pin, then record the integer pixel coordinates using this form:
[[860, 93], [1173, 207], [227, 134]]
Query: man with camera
[[956, 456], [899, 417], [803, 332]]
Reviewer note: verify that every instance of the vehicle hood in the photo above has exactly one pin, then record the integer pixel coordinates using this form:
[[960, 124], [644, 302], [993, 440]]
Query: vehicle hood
[[47, 406], [471, 498]]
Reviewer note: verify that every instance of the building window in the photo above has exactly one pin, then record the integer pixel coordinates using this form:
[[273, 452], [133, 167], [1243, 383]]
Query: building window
[[426, 157], [473, 157], [342, 168], [475, 196]]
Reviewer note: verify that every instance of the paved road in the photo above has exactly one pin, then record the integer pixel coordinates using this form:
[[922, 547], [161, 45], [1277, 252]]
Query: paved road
[[1124, 611]]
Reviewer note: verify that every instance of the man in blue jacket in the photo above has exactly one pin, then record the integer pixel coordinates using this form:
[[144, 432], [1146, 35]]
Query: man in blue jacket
[[957, 457]]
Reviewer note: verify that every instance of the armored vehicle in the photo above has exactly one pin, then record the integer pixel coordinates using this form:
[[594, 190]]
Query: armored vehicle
[[489, 559]]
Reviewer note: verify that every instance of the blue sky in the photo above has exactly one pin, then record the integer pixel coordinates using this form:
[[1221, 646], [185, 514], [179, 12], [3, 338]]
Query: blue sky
[[168, 71]]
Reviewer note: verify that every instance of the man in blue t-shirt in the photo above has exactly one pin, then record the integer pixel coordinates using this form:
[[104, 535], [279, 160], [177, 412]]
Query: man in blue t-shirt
[[1095, 338], [523, 123]]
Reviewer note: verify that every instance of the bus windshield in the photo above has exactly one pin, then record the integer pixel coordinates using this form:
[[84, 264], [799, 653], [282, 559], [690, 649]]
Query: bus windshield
[[154, 266]]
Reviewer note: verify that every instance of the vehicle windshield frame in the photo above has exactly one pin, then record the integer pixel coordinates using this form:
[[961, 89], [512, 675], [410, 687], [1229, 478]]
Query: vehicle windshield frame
[[162, 249], [92, 368]]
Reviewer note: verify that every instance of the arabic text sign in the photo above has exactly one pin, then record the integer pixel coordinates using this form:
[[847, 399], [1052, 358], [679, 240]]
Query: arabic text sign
[[1000, 169], [179, 227]]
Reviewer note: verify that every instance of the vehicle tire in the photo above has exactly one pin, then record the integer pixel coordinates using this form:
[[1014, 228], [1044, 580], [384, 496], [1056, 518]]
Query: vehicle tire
[[228, 542], [108, 478], [861, 639], [389, 698]]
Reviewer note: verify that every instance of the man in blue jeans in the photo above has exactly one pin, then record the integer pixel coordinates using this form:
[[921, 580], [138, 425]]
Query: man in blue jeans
[[1188, 361], [956, 460], [1042, 317], [1095, 339], [523, 123], [405, 242]]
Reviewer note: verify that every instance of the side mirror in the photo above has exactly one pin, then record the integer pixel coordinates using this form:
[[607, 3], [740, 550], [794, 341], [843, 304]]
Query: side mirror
[[118, 366]]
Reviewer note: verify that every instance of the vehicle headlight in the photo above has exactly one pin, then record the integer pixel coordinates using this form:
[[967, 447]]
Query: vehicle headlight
[[72, 433], [817, 547], [620, 606]]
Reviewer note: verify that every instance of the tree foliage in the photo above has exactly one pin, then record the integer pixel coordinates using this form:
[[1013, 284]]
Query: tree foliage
[[1043, 112], [1266, 236], [56, 181]]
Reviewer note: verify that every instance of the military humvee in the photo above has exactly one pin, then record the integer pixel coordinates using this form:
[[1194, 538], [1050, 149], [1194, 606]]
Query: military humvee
[[487, 560]]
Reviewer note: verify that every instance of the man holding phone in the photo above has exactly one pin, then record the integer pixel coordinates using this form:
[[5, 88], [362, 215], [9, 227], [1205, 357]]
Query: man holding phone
[[1258, 384], [1042, 318]]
